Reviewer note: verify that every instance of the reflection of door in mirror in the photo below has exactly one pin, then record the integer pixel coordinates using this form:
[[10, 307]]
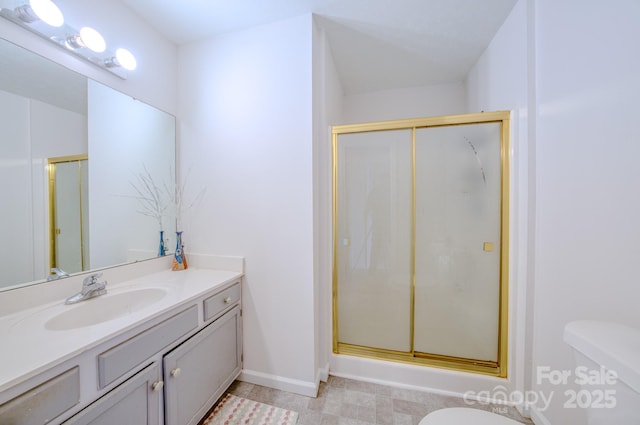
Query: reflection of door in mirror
[[68, 207]]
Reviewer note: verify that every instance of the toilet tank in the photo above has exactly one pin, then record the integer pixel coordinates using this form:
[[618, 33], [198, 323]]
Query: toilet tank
[[607, 358]]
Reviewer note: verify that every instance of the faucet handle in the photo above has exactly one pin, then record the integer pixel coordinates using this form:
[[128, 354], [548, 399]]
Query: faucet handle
[[92, 279]]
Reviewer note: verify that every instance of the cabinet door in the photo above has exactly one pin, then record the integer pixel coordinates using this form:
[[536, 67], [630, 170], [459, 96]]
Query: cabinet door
[[200, 370], [135, 402]]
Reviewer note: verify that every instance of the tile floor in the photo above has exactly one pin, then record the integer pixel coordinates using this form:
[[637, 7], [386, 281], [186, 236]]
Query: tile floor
[[343, 401]]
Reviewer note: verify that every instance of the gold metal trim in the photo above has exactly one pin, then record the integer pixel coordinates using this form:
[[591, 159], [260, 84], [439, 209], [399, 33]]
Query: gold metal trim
[[503, 333], [334, 284], [434, 360], [52, 214], [412, 266], [446, 120], [68, 158], [498, 368]]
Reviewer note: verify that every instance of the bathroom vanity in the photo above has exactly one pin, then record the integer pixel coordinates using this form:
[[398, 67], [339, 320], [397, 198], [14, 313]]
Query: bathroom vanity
[[159, 348]]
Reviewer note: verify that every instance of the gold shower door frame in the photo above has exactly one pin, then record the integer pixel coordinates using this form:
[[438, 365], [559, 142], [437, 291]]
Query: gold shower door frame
[[497, 368], [53, 230]]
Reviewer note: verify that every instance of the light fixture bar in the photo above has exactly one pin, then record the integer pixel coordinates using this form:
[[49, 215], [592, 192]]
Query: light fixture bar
[[26, 14], [87, 43]]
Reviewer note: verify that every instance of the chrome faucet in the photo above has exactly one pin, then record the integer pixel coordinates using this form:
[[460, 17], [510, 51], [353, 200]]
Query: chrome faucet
[[91, 287], [57, 274]]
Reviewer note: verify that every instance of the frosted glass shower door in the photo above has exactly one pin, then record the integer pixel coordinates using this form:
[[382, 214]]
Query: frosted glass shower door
[[373, 239], [457, 271], [70, 215]]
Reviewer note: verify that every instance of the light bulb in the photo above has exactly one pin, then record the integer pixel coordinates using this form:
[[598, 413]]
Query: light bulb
[[126, 59], [89, 38], [47, 11], [92, 39]]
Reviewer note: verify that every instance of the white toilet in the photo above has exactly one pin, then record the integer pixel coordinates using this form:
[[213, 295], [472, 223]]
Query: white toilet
[[596, 345], [600, 347], [465, 416]]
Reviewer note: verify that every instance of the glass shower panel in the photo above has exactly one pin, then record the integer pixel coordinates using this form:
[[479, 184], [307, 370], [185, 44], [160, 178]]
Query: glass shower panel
[[68, 216], [457, 270], [373, 239]]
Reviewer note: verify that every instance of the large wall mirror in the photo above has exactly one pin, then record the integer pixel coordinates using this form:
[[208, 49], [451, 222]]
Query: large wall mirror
[[79, 165]]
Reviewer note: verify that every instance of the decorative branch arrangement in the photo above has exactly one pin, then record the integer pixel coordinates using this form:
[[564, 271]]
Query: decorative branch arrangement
[[151, 200], [178, 199], [154, 202]]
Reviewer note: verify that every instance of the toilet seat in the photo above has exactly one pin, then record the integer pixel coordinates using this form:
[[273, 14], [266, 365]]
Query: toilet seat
[[465, 416]]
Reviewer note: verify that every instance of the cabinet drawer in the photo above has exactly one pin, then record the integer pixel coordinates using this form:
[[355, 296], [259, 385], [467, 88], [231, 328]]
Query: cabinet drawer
[[218, 303], [117, 361], [44, 402]]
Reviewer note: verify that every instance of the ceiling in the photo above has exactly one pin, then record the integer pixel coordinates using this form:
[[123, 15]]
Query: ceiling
[[376, 44]]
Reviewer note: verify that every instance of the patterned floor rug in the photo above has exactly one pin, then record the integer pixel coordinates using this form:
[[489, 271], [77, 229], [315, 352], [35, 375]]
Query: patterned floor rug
[[233, 410]]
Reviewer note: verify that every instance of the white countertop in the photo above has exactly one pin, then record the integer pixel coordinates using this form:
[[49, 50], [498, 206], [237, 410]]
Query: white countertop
[[28, 348]]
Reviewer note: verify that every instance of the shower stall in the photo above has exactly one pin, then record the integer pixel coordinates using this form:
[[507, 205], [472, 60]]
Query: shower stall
[[421, 241], [68, 213]]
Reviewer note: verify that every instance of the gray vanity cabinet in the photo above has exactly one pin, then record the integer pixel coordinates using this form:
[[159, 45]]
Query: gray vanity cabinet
[[168, 371], [197, 372], [135, 402]]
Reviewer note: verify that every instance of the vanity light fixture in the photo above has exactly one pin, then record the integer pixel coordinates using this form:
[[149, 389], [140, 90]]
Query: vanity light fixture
[[44, 18]]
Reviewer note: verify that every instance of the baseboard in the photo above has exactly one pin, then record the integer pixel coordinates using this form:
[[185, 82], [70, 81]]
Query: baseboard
[[309, 389], [322, 374]]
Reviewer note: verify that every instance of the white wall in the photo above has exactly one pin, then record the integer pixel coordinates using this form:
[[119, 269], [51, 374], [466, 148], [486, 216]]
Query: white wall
[[415, 102], [327, 110], [500, 81], [246, 122], [16, 255], [575, 165], [155, 79], [587, 150]]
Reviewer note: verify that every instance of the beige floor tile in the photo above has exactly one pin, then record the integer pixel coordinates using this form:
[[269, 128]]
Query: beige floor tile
[[342, 401]]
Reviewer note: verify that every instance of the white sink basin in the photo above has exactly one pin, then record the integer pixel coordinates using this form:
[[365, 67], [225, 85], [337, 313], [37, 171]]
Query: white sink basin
[[104, 308]]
